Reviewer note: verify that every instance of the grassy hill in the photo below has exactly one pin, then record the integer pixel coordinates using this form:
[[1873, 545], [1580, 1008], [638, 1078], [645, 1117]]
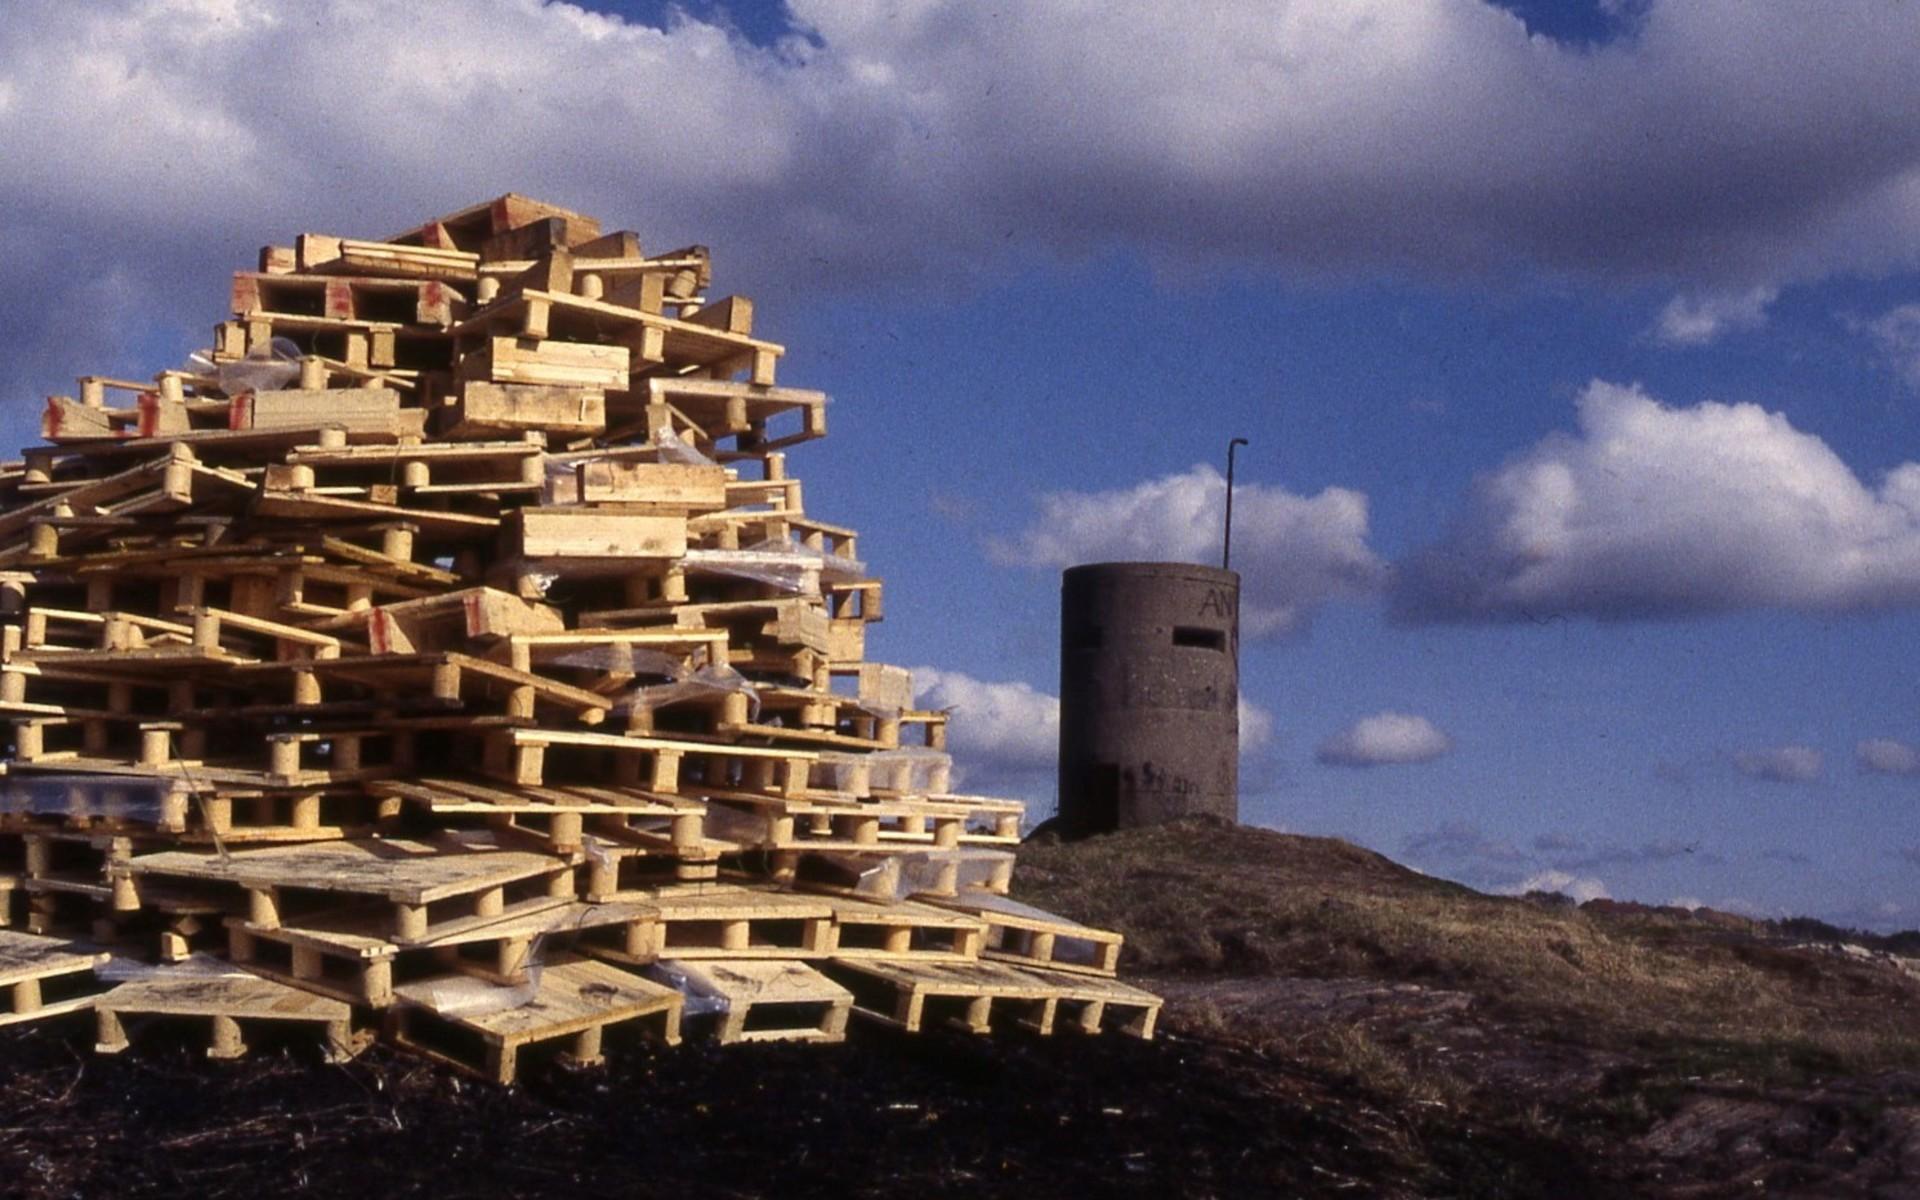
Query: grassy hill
[[1679, 1053]]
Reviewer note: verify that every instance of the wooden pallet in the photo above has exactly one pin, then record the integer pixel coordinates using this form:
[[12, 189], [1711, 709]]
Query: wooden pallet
[[230, 1003], [45, 977], [574, 999], [432, 889], [523, 757], [80, 863], [897, 874], [561, 817], [701, 921], [632, 864], [982, 997], [345, 955], [508, 550], [903, 931], [1027, 936], [764, 1000]]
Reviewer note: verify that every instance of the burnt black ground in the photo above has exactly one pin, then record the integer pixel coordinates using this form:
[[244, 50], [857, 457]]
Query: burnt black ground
[[884, 1115]]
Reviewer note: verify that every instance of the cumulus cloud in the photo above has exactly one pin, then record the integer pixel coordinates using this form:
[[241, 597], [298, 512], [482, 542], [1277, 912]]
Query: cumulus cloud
[[1294, 553], [1006, 734], [1581, 888], [1435, 136], [1885, 756], [1384, 738], [1654, 511], [1782, 764], [1698, 320], [1000, 727]]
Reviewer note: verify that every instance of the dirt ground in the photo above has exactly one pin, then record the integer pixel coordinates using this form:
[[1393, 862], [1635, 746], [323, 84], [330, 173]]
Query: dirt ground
[[1335, 1026], [884, 1115]]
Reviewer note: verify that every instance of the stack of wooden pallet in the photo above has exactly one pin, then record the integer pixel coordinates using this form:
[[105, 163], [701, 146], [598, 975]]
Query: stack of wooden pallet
[[448, 653]]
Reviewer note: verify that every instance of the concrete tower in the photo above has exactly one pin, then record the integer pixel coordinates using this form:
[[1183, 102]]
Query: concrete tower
[[1149, 694]]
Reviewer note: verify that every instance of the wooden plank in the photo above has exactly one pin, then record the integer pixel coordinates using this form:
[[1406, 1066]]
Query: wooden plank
[[24, 956], [360, 410], [549, 363], [483, 408], [589, 536], [671, 488], [316, 252], [455, 619], [397, 869], [42, 978]]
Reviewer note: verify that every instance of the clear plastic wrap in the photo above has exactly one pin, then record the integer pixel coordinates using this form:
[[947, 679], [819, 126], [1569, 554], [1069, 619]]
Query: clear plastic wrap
[[542, 581], [701, 1000], [198, 965], [729, 824], [898, 876], [266, 368], [615, 658], [884, 712], [834, 771], [465, 996], [945, 872], [873, 877], [697, 684], [560, 485], [784, 563], [145, 799], [673, 448], [910, 769], [596, 852]]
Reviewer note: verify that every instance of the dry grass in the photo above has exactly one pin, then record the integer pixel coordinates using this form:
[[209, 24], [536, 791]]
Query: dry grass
[[1206, 898]]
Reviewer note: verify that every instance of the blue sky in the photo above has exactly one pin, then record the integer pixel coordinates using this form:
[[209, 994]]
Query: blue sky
[[1577, 344]]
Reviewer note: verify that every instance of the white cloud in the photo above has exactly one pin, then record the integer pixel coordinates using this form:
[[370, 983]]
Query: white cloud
[[1384, 738], [1696, 320], [914, 138], [998, 726], [1657, 511], [1885, 756], [1782, 764], [1897, 333], [1256, 727], [1007, 734], [1293, 553], [1581, 888]]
